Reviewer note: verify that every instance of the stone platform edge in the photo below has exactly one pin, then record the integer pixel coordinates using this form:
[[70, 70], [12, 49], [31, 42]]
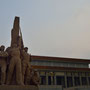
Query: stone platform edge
[[18, 87]]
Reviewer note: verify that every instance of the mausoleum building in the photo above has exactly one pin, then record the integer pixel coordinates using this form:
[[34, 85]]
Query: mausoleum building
[[68, 72]]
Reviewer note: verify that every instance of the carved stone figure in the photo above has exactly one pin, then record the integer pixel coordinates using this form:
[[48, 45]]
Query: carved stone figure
[[3, 64], [32, 77], [27, 76], [25, 62], [35, 79], [15, 62]]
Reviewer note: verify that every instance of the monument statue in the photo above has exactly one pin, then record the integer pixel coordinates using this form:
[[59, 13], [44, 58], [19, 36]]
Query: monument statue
[[35, 80], [25, 62], [3, 64], [15, 61]]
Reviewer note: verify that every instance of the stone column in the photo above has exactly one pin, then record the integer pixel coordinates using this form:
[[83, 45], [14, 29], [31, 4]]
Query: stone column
[[55, 80], [51, 80], [87, 79], [73, 79], [65, 79], [46, 78], [81, 79]]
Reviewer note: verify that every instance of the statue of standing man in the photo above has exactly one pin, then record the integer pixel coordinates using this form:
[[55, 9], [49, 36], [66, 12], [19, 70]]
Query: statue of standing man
[[15, 62], [3, 64]]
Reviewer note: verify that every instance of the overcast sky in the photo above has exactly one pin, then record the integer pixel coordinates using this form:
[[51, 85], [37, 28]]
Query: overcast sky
[[59, 28]]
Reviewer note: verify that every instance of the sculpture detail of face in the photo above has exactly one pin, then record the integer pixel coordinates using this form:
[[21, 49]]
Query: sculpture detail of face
[[26, 49], [2, 48]]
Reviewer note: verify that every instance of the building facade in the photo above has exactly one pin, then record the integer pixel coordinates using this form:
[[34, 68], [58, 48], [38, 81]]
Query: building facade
[[68, 72]]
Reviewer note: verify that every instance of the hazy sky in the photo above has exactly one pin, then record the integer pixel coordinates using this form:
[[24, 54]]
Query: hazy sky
[[59, 28]]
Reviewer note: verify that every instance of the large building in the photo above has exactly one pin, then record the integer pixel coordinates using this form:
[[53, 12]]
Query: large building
[[68, 72]]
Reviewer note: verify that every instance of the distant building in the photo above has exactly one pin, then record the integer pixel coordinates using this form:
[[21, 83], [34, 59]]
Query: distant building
[[68, 72]]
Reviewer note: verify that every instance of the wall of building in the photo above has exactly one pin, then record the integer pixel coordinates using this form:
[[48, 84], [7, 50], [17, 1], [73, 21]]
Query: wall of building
[[64, 78], [59, 64], [58, 72]]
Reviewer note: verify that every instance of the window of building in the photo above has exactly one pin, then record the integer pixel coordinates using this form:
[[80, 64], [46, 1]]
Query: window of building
[[84, 80], [77, 81], [69, 81], [43, 80], [89, 80], [49, 80], [60, 80]]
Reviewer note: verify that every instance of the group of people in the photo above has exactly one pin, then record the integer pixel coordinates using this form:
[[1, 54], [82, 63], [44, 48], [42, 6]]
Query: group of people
[[15, 67]]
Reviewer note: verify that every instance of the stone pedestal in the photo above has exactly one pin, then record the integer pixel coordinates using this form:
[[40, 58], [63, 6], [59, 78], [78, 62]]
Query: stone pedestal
[[18, 87]]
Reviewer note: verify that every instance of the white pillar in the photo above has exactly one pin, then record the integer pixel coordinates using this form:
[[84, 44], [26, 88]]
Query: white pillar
[[73, 80], [65, 79]]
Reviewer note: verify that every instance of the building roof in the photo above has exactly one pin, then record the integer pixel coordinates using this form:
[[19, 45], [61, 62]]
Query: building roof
[[60, 68], [34, 57]]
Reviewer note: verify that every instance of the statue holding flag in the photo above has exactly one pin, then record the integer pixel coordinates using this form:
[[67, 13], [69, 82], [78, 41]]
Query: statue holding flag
[[19, 68]]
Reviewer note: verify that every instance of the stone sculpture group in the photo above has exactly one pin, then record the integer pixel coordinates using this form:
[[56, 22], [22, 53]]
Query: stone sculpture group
[[15, 61]]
